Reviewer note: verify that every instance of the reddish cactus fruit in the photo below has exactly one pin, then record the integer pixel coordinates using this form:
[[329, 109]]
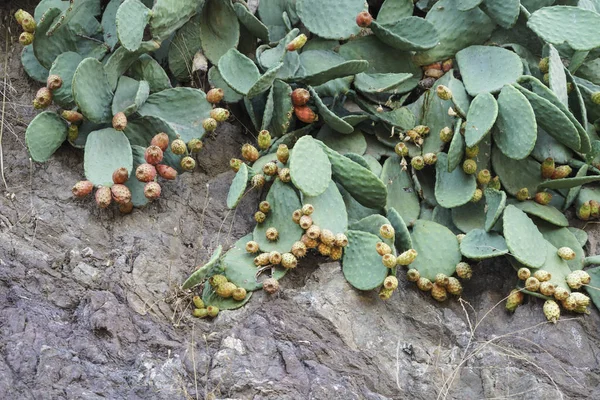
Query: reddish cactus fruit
[[152, 190], [120, 175], [364, 19], [145, 173], [54, 82], [126, 208], [300, 97], [305, 114], [297, 43], [103, 196], [166, 172], [119, 121], [153, 155], [161, 140], [120, 193], [43, 98], [72, 116], [215, 95], [82, 188]]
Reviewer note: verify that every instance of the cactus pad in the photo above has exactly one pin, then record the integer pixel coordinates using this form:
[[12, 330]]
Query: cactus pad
[[392, 10], [310, 167], [210, 298], [523, 238], [469, 216], [92, 92], [132, 18], [320, 66], [377, 83], [516, 174], [170, 15], [516, 128], [219, 29], [480, 118], [401, 194], [402, 238], [479, 245], [44, 135], [456, 151], [496, 201], [238, 71], [567, 183], [546, 213], [216, 80], [253, 24], [200, 274], [353, 143], [361, 265], [32, 66], [136, 187], [437, 248], [238, 187], [504, 12], [130, 95], [559, 24], [563, 237], [408, 34], [330, 19], [184, 46], [452, 189], [330, 210], [148, 69], [105, 151]]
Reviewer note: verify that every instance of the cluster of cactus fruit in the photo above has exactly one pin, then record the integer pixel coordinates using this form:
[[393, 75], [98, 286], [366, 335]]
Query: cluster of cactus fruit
[[469, 127]]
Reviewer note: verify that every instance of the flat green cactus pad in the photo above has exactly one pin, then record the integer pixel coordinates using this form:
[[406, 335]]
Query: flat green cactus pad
[[321, 66], [238, 187], [377, 83], [556, 76], [424, 181], [402, 238], [496, 201], [92, 92], [456, 151], [121, 59], [44, 135], [330, 210], [210, 298], [183, 108], [452, 189], [504, 12], [148, 69], [200, 274], [136, 187], [282, 108], [330, 19], [32, 66], [568, 183], [593, 289], [547, 213], [253, 24], [219, 29], [170, 15], [516, 128], [356, 211], [47, 48], [408, 34], [563, 237], [580, 235], [217, 81], [132, 18], [130, 95], [443, 216], [372, 224], [546, 146], [516, 174], [310, 167], [479, 245], [65, 66], [140, 132], [184, 46], [400, 189], [355, 142], [105, 151], [284, 201], [469, 216], [238, 71], [361, 265], [523, 238], [480, 118], [486, 69], [392, 10], [330, 118], [466, 5], [574, 191], [558, 268], [45, 5], [435, 115], [437, 248], [559, 24], [460, 99], [109, 23]]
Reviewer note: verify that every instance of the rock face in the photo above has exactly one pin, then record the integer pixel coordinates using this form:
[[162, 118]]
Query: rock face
[[89, 307]]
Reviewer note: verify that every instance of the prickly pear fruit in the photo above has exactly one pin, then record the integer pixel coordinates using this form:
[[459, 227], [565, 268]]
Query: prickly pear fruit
[[275, 257], [198, 303], [187, 163], [284, 175], [299, 249], [523, 273], [484, 177], [561, 172], [561, 293], [580, 299], [495, 183], [300, 97], [264, 206], [252, 247], [119, 121], [544, 65], [82, 189], [569, 303], [271, 285], [307, 209], [28, 24], [166, 172], [514, 300], [305, 114], [454, 286], [258, 181], [584, 277], [259, 217], [551, 311], [103, 196], [120, 175], [463, 270], [439, 292], [288, 261], [547, 288], [161, 140], [522, 194], [430, 158], [200, 313], [469, 166], [219, 114], [209, 124], [336, 253], [215, 95], [341, 240], [72, 116], [261, 259], [272, 234], [389, 260], [235, 164], [385, 294], [43, 98], [297, 43], [446, 134], [413, 275], [54, 82], [283, 153], [594, 209], [386, 231], [20, 15], [153, 155], [324, 250], [532, 284], [72, 133], [305, 222], [212, 311], [308, 242], [574, 281], [542, 275], [548, 168], [195, 145], [26, 38], [443, 92], [364, 19], [249, 152], [566, 253], [225, 290], [585, 211], [477, 195], [126, 208], [407, 257], [217, 280], [471, 152], [120, 193], [383, 248], [441, 279], [270, 169], [296, 215], [418, 163], [401, 149], [152, 190], [145, 172], [264, 139], [239, 294], [424, 284], [596, 98], [178, 147], [391, 282], [314, 232], [328, 237], [542, 198]]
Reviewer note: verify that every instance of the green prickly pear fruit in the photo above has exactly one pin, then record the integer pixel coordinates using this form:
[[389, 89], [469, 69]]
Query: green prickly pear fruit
[[547, 288], [299, 249], [364, 19], [561, 172], [161, 140], [225, 290], [20, 15], [566, 253], [73, 133], [235, 164], [594, 209], [422, 130], [249, 152], [543, 198], [454, 286], [424, 284], [439, 292], [596, 98], [178, 147], [195, 145], [551, 311], [283, 153], [477, 195], [472, 152], [289, 261], [209, 124], [28, 24], [391, 282], [401, 149], [574, 281], [212, 311], [581, 310], [264, 206], [166, 172], [386, 231], [385, 294], [544, 65], [418, 163], [284, 175], [219, 114], [523, 273], [300, 97], [514, 300], [430, 158], [187, 163], [484, 177], [407, 257], [570, 87], [119, 121], [441, 279], [239, 294], [120, 193], [463, 270], [446, 134], [413, 136], [120, 175], [272, 234], [341, 240], [54, 82], [217, 280], [561, 293], [460, 237], [145, 172], [546, 79], [26, 38], [72, 116], [389, 260], [103, 196], [275, 257], [43, 98], [152, 190], [469, 166], [314, 232], [585, 211], [383, 248], [413, 275], [252, 247], [583, 276], [305, 114], [324, 250], [264, 139], [200, 313], [569, 303], [296, 215], [328, 237], [548, 168], [297, 43], [126, 208], [261, 260], [198, 303], [305, 222], [542, 275], [532, 284], [581, 299], [522, 194], [215, 95], [259, 217], [495, 183], [443, 92], [270, 169], [82, 189], [271, 286]]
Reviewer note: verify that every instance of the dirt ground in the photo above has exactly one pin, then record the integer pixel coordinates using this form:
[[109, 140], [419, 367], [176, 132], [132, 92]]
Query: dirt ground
[[89, 306]]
